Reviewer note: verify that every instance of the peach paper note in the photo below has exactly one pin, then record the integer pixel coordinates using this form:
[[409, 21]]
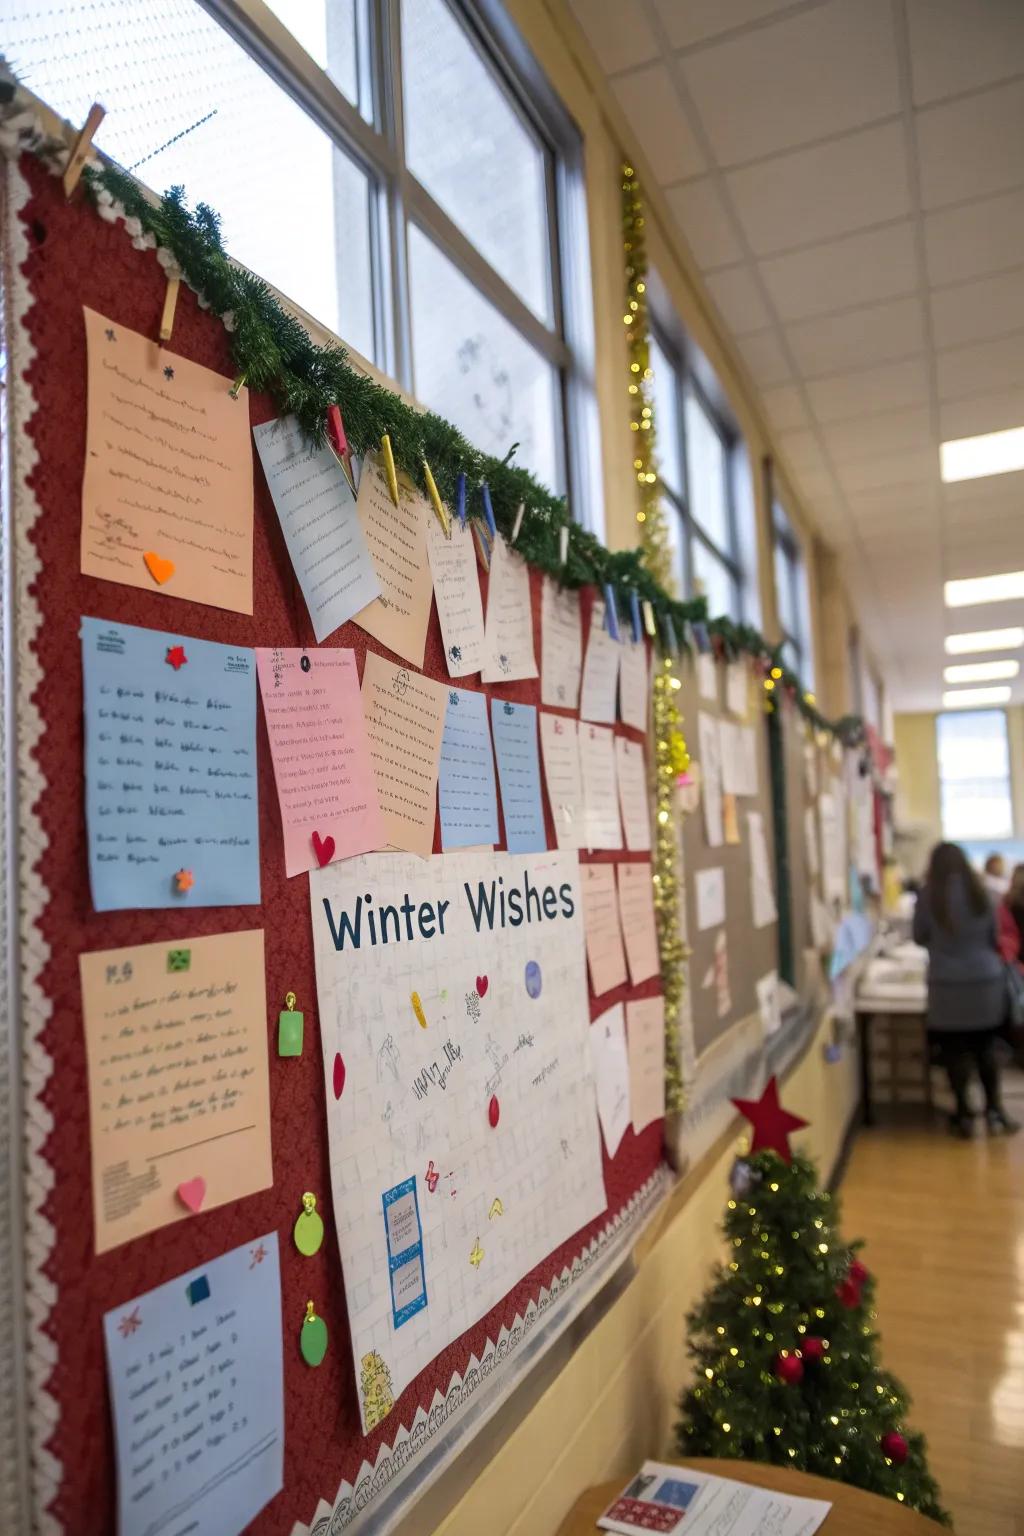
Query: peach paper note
[[405, 723], [176, 1048], [325, 780], [167, 501], [645, 1032], [604, 934], [397, 539], [636, 912]]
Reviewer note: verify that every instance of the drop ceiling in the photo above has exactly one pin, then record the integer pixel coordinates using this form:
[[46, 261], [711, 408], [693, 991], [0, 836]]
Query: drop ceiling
[[849, 177]]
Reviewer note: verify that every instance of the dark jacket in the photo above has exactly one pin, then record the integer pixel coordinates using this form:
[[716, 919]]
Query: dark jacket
[[966, 981]]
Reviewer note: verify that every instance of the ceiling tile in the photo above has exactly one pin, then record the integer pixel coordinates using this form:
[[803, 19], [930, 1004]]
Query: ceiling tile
[[827, 190], [984, 413], [649, 100], [971, 147], [860, 269], [697, 20], [889, 432], [889, 469], [739, 300], [620, 34], [704, 222], [982, 237], [883, 333], [821, 71], [784, 406], [989, 306], [765, 357], [802, 451], [956, 48], [985, 368], [869, 391]]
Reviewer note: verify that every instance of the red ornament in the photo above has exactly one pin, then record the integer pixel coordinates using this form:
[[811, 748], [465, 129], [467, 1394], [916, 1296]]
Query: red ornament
[[772, 1124], [894, 1447], [494, 1111], [338, 1075], [848, 1292], [789, 1368], [813, 1349], [858, 1272]]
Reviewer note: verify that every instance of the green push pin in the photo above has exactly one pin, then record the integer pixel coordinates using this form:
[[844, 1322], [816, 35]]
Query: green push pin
[[313, 1337], [309, 1227], [289, 1028]]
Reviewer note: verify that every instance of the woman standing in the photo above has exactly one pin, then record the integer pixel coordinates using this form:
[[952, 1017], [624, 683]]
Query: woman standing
[[1010, 920], [955, 921]]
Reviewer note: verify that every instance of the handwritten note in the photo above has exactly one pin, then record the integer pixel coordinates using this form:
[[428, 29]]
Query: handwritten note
[[318, 517], [737, 688], [466, 793], [762, 891], [739, 758], [636, 913], [196, 1384], [405, 723], [170, 769], [600, 670], [633, 681], [605, 954], [645, 1033], [600, 787], [561, 645], [168, 472], [515, 742], [176, 1048], [631, 772], [325, 781], [611, 1074], [710, 890], [707, 676], [453, 569], [508, 633], [397, 540], [559, 742], [711, 777]]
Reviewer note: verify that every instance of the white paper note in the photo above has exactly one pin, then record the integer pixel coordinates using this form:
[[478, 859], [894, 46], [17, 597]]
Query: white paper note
[[707, 677], [611, 1072], [645, 1038], [711, 778], [634, 802], [633, 680], [710, 889], [811, 841], [600, 791], [508, 633], [600, 670], [561, 645], [769, 1004], [762, 888], [456, 579], [397, 540], [737, 688], [560, 749]]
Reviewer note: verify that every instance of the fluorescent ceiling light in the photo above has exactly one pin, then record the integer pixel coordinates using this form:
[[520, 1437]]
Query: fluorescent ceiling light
[[994, 453], [981, 671], [970, 698], [984, 640], [984, 589]]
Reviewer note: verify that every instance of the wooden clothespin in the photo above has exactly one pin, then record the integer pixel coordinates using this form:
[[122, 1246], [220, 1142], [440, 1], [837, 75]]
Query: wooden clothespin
[[83, 146], [520, 514], [648, 611], [439, 507], [170, 305], [389, 467]]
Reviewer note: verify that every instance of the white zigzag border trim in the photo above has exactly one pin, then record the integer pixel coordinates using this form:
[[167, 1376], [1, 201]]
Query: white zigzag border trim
[[354, 1505]]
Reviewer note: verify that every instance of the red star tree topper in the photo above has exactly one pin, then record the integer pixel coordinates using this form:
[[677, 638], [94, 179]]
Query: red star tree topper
[[772, 1124]]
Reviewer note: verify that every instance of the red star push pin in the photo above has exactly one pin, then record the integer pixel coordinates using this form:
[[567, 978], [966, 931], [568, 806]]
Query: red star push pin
[[176, 657], [772, 1124]]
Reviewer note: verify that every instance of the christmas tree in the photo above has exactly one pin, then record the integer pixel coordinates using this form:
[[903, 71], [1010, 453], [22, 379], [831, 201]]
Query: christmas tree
[[785, 1352]]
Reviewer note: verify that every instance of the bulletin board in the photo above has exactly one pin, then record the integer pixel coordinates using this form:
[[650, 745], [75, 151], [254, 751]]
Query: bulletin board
[[797, 740], [62, 256], [751, 952]]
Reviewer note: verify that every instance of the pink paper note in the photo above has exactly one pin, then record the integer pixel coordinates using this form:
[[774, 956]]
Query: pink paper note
[[604, 935], [325, 781], [636, 913]]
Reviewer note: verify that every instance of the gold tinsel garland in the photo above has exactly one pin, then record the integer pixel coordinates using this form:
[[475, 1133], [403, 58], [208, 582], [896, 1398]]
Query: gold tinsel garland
[[671, 757]]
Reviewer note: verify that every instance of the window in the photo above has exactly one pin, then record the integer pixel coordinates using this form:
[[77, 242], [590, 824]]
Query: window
[[974, 775], [695, 462], [400, 169], [791, 598]]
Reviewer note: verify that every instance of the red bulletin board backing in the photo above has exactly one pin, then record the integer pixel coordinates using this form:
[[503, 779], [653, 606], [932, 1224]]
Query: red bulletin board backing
[[77, 259]]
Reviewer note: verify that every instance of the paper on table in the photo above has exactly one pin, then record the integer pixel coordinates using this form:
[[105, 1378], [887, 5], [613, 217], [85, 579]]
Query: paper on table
[[636, 914], [762, 893], [611, 1074], [737, 688], [456, 579], [600, 670], [711, 777], [561, 645], [605, 954], [811, 840], [600, 794], [170, 769], [559, 742], [508, 631], [318, 517], [710, 889], [730, 821], [645, 1038], [200, 1438], [466, 793], [405, 723], [397, 540], [768, 1003], [168, 472], [707, 677], [634, 804], [325, 780], [515, 744], [176, 1048], [675, 1499], [633, 680]]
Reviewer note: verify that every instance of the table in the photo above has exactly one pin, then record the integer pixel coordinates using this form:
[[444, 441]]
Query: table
[[868, 1007], [854, 1512]]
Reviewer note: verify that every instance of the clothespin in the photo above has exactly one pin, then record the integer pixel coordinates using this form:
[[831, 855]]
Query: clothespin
[[492, 527], [339, 443], [483, 549], [563, 544], [611, 616], [650, 624], [460, 498], [520, 514], [170, 305], [83, 145], [436, 502], [389, 467], [237, 386], [634, 614]]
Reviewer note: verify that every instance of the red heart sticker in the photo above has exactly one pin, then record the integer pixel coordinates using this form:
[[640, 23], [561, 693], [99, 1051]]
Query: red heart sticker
[[494, 1111], [323, 847], [192, 1193], [481, 986], [339, 1075]]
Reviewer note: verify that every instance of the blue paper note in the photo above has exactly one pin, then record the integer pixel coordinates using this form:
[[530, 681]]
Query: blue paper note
[[196, 1384], [170, 769], [515, 742], [466, 791], [404, 1237]]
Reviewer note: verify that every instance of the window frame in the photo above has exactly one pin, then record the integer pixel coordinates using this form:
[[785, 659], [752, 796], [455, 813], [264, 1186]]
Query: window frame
[[786, 543], [1007, 778]]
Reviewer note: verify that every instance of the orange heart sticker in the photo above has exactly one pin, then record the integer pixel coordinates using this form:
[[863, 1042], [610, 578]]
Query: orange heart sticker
[[160, 569]]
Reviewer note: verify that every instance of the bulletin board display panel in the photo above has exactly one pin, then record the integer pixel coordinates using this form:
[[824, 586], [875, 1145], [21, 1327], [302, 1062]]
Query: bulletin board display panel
[[75, 259], [750, 952]]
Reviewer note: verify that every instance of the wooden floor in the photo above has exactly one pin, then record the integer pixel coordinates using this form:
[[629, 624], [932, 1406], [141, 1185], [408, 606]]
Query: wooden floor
[[944, 1225]]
